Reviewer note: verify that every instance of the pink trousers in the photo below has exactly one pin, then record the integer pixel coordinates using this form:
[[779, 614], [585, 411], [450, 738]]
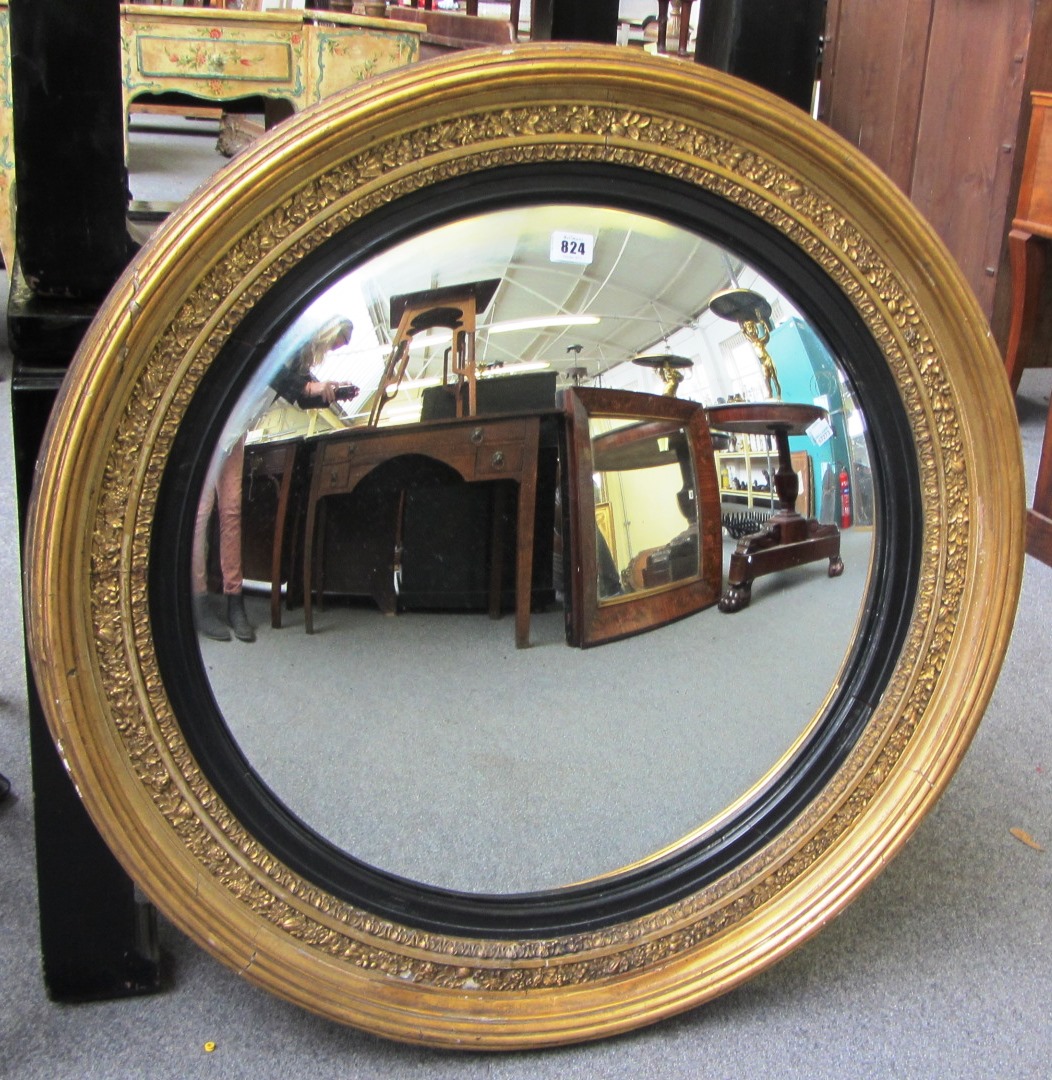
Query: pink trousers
[[227, 494]]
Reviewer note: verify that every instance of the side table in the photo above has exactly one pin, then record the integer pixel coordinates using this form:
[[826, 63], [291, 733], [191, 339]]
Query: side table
[[789, 539]]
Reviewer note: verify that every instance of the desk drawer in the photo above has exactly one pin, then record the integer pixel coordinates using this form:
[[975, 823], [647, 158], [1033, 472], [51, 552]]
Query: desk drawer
[[264, 460], [493, 431], [483, 451], [337, 451], [334, 476], [498, 459]]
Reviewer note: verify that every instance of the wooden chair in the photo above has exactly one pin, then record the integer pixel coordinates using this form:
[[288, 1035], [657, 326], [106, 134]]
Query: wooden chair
[[452, 30], [1030, 233], [1039, 517], [472, 8], [683, 18]]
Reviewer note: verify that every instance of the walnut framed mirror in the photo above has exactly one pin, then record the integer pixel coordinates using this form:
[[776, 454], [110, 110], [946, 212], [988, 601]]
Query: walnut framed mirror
[[643, 497], [354, 818]]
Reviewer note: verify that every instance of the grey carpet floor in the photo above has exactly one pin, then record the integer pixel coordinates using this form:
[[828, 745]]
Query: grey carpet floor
[[942, 968], [431, 746]]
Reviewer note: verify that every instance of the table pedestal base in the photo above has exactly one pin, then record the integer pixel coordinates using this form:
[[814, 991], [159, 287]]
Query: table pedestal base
[[788, 540]]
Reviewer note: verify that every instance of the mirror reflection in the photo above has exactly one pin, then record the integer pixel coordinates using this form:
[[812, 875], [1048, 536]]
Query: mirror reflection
[[416, 504], [645, 506]]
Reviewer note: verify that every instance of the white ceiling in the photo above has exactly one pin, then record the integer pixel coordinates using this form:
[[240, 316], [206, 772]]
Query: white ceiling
[[646, 279]]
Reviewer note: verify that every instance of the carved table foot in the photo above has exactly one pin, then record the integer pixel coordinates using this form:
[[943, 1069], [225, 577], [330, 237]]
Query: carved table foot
[[736, 597], [785, 543]]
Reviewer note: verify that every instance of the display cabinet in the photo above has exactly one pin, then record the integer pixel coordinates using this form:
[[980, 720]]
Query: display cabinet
[[746, 477]]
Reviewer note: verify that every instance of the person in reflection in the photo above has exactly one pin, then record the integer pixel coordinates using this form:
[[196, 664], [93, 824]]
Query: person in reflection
[[224, 493], [295, 382]]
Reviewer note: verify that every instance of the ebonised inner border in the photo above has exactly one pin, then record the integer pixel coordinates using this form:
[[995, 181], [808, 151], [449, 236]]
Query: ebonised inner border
[[875, 652]]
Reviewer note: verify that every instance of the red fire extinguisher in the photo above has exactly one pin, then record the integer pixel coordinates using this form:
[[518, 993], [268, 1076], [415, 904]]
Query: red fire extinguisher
[[845, 498]]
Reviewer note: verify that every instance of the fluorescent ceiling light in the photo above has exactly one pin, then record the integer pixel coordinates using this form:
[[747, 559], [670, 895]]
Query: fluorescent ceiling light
[[514, 369], [540, 322], [537, 322], [401, 412], [419, 384]]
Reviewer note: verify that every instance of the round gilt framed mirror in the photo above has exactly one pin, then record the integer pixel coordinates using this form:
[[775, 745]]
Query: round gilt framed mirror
[[415, 802]]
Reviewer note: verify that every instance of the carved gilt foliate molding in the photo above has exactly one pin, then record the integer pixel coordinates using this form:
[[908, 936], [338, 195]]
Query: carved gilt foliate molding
[[241, 277]]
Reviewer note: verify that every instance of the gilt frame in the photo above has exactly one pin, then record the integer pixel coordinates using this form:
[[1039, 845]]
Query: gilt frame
[[91, 632]]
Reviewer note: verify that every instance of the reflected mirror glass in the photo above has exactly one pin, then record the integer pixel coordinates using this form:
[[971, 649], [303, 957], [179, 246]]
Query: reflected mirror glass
[[645, 509], [393, 480]]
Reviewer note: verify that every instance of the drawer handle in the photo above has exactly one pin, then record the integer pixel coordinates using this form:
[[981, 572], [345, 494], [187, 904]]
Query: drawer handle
[[477, 436], [498, 459]]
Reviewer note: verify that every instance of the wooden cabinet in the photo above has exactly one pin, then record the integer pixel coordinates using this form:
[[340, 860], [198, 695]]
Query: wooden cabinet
[[931, 91]]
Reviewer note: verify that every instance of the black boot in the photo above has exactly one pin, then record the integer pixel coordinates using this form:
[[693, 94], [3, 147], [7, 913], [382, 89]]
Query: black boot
[[238, 619], [207, 621]]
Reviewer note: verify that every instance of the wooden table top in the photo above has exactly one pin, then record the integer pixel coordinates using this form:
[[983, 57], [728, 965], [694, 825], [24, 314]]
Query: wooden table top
[[764, 417]]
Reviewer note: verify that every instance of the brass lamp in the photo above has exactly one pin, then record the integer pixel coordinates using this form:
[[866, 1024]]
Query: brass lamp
[[753, 314], [669, 367]]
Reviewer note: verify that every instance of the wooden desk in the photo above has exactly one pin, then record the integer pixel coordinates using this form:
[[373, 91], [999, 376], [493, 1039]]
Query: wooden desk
[[789, 538], [272, 519], [479, 449], [297, 57], [1031, 230]]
